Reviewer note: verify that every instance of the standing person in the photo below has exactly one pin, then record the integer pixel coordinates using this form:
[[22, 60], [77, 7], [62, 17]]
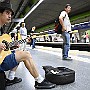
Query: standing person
[[12, 60], [66, 29], [33, 37], [23, 33], [73, 38], [87, 38]]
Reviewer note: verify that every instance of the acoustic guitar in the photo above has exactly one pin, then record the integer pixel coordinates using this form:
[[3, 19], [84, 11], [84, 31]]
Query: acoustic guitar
[[5, 38]]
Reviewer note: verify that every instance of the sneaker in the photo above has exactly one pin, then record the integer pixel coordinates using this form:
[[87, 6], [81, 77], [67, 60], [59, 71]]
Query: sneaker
[[44, 85], [14, 81], [68, 58]]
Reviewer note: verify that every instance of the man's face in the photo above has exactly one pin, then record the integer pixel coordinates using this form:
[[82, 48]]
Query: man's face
[[33, 28], [68, 9], [23, 24], [5, 17]]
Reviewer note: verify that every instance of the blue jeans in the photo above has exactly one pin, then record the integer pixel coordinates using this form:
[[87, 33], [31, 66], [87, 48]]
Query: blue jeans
[[33, 43], [66, 44]]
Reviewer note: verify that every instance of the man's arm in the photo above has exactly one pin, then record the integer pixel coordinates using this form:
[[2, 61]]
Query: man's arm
[[62, 23]]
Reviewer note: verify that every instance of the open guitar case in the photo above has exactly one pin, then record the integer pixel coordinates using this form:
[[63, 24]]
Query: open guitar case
[[59, 75]]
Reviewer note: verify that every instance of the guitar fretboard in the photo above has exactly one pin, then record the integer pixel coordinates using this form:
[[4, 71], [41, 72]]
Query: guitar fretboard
[[13, 43]]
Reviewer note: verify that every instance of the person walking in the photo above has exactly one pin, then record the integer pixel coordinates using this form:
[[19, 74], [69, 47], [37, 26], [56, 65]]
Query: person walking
[[66, 29], [23, 33], [33, 37]]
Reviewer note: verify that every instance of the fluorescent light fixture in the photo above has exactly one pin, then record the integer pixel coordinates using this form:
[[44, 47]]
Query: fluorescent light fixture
[[33, 8], [18, 20]]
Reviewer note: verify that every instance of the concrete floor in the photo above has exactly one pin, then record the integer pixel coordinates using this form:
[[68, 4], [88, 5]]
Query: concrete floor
[[52, 56]]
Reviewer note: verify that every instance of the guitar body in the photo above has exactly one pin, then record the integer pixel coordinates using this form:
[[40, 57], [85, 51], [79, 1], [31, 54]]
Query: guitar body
[[3, 53]]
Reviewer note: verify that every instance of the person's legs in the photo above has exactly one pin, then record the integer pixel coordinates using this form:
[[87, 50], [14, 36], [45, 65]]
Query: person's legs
[[66, 44], [26, 57], [12, 79], [24, 43], [11, 74], [33, 44], [14, 59], [64, 52]]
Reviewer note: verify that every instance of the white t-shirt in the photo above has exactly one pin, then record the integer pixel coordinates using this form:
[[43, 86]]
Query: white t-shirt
[[67, 23], [23, 32]]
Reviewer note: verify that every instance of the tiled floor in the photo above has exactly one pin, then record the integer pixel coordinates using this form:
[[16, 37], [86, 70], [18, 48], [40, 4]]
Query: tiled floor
[[52, 56]]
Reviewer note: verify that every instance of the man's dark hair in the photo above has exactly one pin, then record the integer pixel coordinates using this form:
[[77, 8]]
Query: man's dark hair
[[6, 5], [67, 5], [2, 10]]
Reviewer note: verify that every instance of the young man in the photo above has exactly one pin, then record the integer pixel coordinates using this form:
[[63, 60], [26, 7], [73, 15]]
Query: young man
[[3, 20], [11, 61], [66, 29]]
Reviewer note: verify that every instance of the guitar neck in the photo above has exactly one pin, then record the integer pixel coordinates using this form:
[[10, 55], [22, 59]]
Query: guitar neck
[[15, 43]]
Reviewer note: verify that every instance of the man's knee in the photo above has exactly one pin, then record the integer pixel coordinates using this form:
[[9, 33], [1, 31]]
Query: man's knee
[[20, 52], [27, 53], [22, 55]]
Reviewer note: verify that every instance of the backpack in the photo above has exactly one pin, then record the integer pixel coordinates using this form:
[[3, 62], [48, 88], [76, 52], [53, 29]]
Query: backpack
[[58, 26]]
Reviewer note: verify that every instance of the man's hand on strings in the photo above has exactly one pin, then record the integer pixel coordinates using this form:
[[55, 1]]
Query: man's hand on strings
[[2, 46]]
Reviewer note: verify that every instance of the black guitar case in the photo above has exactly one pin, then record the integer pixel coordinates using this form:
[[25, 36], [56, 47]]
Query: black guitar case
[[59, 75], [2, 81]]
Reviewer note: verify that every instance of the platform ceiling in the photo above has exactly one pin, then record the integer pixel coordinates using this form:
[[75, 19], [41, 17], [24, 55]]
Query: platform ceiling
[[48, 10]]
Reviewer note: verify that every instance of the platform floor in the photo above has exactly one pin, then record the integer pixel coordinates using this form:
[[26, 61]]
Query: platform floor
[[52, 56]]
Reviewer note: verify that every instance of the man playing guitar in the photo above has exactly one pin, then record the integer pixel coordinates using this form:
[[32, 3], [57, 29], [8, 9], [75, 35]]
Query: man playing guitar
[[12, 60]]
